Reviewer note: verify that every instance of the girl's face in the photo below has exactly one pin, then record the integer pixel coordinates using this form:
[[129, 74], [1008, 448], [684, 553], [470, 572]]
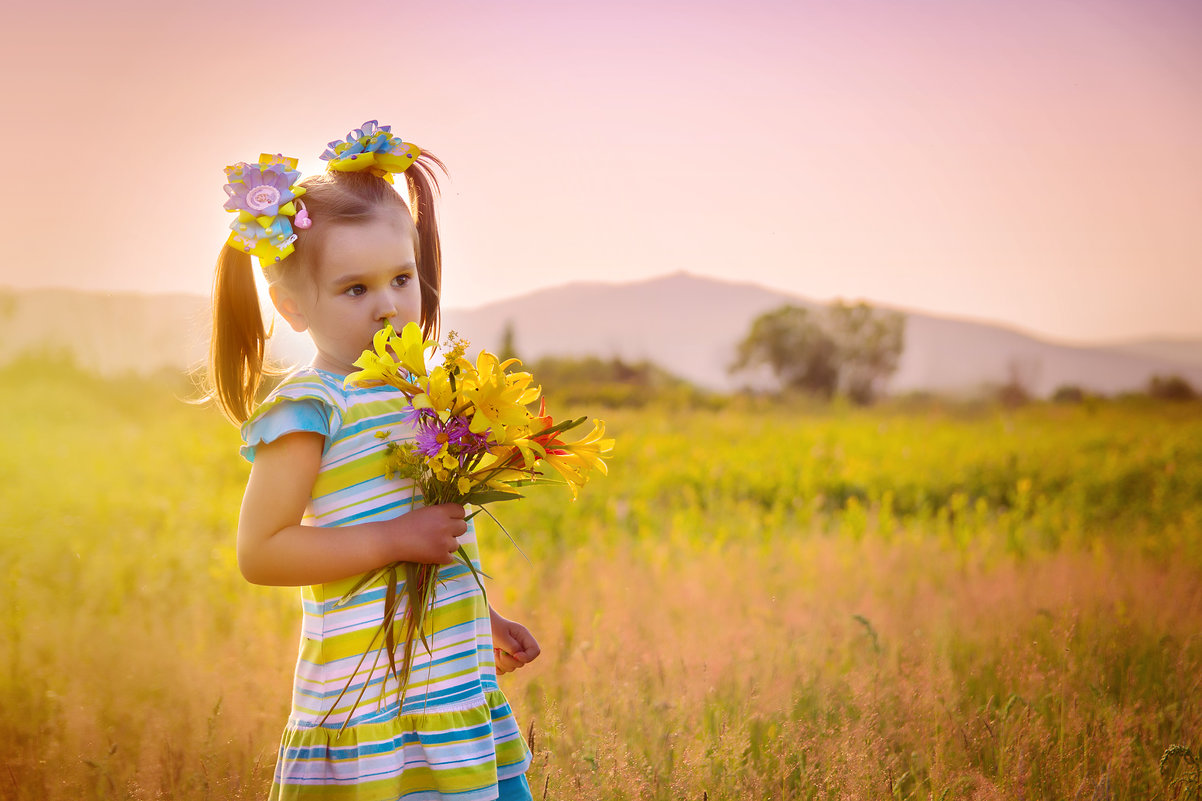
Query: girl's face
[[367, 274]]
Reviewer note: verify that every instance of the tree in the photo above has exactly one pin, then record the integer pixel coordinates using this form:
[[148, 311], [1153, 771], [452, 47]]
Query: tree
[[1068, 393], [840, 349], [1171, 387], [508, 349], [869, 345], [1020, 381], [793, 344]]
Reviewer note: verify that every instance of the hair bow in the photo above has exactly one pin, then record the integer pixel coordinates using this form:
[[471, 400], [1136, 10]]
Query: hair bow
[[372, 148], [264, 194]]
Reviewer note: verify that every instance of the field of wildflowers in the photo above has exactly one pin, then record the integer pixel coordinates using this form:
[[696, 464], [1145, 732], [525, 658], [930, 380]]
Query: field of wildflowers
[[758, 602]]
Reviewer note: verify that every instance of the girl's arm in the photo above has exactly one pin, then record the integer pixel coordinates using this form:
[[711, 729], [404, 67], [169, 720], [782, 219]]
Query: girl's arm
[[275, 549]]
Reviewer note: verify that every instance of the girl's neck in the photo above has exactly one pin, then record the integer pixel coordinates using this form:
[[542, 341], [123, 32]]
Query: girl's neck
[[324, 366]]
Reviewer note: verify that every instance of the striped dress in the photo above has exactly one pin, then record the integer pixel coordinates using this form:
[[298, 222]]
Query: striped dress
[[454, 735]]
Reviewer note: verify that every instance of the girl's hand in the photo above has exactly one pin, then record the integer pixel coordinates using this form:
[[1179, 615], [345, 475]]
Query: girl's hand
[[513, 644], [430, 535]]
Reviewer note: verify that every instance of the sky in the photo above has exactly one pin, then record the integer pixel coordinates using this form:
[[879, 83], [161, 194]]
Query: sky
[[1035, 163]]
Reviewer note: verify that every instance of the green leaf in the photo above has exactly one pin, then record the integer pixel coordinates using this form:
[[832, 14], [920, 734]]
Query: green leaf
[[479, 575], [559, 428], [507, 534], [367, 579], [480, 497]]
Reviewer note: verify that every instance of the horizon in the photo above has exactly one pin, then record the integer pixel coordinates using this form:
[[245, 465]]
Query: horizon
[[1031, 164], [282, 328]]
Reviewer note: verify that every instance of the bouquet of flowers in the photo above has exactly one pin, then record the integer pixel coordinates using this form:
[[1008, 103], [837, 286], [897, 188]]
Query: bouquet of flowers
[[477, 443]]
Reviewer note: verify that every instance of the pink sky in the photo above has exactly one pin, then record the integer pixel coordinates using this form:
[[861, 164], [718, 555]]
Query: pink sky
[[1031, 162]]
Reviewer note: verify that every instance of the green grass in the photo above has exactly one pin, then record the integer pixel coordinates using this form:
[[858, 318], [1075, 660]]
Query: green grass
[[759, 602]]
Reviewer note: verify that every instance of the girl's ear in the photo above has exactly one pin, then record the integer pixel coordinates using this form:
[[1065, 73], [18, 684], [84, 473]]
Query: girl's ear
[[285, 303]]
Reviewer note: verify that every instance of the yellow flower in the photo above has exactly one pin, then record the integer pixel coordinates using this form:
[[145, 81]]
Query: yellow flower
[[497, 467], [499, 398], [379, 366], [574, 460], [570, 467], [437, 394], [593, 448], [410, 348], [531, 451], [464, 485], [454, 348], [376, 364]]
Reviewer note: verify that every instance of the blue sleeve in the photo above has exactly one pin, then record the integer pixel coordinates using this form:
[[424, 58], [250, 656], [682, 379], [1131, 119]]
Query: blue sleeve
[[285, 416]]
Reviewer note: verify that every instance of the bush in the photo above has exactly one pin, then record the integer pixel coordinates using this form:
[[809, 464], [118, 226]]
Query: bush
[[614, 383], [1068, 393], [1172, 387]]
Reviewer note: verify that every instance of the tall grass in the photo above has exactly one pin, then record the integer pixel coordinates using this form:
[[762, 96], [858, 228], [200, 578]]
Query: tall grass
[[757, 603]]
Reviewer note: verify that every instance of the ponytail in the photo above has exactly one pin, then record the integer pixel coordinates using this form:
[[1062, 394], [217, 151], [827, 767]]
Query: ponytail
[[239, 341], [423, 190]]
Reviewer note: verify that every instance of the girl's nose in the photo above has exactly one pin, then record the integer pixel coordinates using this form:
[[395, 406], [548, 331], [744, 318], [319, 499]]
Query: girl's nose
[[386, 311]]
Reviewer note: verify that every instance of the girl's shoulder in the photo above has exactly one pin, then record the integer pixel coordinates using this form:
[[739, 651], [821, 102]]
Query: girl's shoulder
[[309, 383]]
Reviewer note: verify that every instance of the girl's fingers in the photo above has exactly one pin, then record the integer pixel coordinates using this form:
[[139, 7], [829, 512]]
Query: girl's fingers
[[526, 647], [505, 662]]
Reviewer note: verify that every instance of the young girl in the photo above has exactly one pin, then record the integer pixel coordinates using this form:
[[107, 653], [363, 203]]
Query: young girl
[[343, 254]]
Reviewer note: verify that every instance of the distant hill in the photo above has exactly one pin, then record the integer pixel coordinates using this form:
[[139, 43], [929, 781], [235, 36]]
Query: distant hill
[[691, 326], [111, 333], [687, 324], [1185, 351]]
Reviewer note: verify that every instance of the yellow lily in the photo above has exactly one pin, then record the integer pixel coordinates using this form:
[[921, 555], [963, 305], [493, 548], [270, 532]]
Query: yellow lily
[[379, 369], [410, 348], [499, 398], [438, 394], [593, 448], [570, 467], [379, 366], [499, 466], [531, 451], [574, 460]]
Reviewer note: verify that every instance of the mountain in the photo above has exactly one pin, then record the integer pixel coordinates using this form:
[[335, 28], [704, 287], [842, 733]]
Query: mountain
[[948, 354], [1187, 351], [691, 326], [687, 324]]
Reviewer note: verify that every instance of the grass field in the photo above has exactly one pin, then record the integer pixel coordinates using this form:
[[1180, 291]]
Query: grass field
[[759, 602]]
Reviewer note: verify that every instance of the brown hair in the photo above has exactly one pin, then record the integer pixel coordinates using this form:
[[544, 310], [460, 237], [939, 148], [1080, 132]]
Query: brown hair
[[238, 345]]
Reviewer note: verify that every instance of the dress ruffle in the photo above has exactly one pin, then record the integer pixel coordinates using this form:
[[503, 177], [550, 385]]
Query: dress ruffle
[[459, 754]]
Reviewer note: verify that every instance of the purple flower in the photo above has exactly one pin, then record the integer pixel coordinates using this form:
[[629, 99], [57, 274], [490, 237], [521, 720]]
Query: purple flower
[[468, 442], [455, 435], [415, 416], [430, 436]]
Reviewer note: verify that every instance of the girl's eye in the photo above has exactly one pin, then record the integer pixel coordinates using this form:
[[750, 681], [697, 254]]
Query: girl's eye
[[357, 289], [402, 280]]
